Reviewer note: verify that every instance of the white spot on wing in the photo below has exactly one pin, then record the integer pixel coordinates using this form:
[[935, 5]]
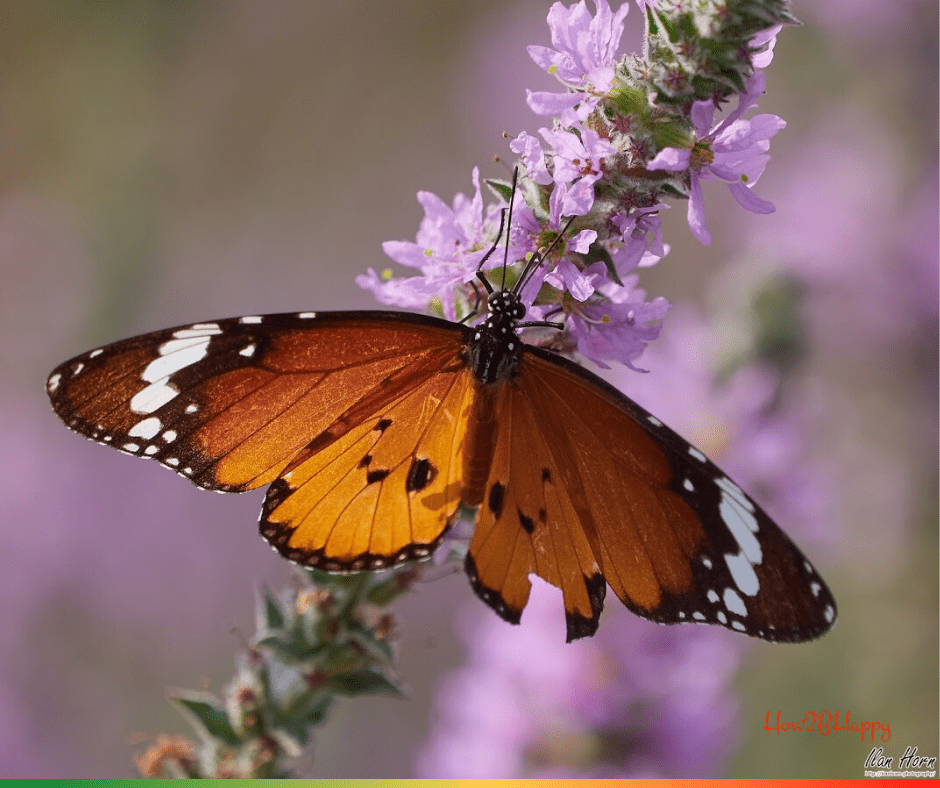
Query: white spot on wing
[[131, 447], [306, 315], [176, 354], [198, 330], [738, 626], [698, 616], [145, 429], [96, 353], [151, 449], [734, 603], [697, 454], [830, 614], [735, 492], [250, 319], [78, 368], [248, 350], [189, 346], [742, 524], [654, 421], [169, 436], [192, 407], [54, 381], [712, 595], [153, 397], [742, 573], [688, 485]]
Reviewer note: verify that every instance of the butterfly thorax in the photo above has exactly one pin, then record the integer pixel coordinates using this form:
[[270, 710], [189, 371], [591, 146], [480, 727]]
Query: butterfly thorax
[[495, 347]]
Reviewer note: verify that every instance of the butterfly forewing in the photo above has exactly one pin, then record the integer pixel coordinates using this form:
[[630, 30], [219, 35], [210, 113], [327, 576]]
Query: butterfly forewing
[[234, 404]]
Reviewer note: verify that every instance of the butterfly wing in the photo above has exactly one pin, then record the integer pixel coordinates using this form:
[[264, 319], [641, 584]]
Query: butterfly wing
[[589, 489], [528, 524], [354, 416]]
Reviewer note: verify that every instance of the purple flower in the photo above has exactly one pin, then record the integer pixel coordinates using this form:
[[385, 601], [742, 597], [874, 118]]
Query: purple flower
[[734, 151], [582, 59], [448, 249], [567, 276], [576, 166], [767, 39], [616, 328], [642, 238], [530, 149]]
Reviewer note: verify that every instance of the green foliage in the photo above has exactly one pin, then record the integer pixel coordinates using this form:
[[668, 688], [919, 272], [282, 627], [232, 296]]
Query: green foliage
[[318, 639]]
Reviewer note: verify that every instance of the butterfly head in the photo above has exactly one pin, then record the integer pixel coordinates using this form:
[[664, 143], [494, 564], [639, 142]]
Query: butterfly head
[[504, 306]]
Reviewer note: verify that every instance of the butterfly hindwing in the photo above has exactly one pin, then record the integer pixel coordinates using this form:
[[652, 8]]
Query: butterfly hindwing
[[383, 492], [527, 524]]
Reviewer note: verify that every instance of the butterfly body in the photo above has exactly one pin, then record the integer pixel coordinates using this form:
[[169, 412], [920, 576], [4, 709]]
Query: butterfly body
[[372, 429]]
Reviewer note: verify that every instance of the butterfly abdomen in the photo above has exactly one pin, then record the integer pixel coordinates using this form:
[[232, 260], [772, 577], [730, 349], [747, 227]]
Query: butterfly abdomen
[[493, 357], [480, 441]]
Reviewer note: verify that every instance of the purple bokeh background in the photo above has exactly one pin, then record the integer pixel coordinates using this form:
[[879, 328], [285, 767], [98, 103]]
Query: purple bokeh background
[[165, 163]]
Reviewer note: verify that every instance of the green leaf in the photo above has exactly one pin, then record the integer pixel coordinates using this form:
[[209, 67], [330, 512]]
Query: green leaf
[[290, 647], [318, 712], [379, 650], [269, 613], [342, 657], [501, 189], [207, 716], [363, 682], [298, 728]]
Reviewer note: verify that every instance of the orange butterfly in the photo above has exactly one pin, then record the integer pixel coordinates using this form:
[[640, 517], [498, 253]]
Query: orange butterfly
[[374, 428]]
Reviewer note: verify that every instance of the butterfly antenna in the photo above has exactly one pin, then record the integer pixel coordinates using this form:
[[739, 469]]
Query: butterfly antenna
[[502, 222], [512, 198]]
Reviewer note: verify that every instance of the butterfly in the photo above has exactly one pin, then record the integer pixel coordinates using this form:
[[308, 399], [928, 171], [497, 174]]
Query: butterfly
[[372, 429]]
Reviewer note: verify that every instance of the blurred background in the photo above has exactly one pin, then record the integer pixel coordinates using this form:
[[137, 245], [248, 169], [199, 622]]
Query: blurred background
[[163, 163]]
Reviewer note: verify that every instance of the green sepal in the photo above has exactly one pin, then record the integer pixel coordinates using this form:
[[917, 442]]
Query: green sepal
[[365, 638], [363, 682], [502, 189], [269, 614], [291, 647], [206, 715], [297, 724]]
